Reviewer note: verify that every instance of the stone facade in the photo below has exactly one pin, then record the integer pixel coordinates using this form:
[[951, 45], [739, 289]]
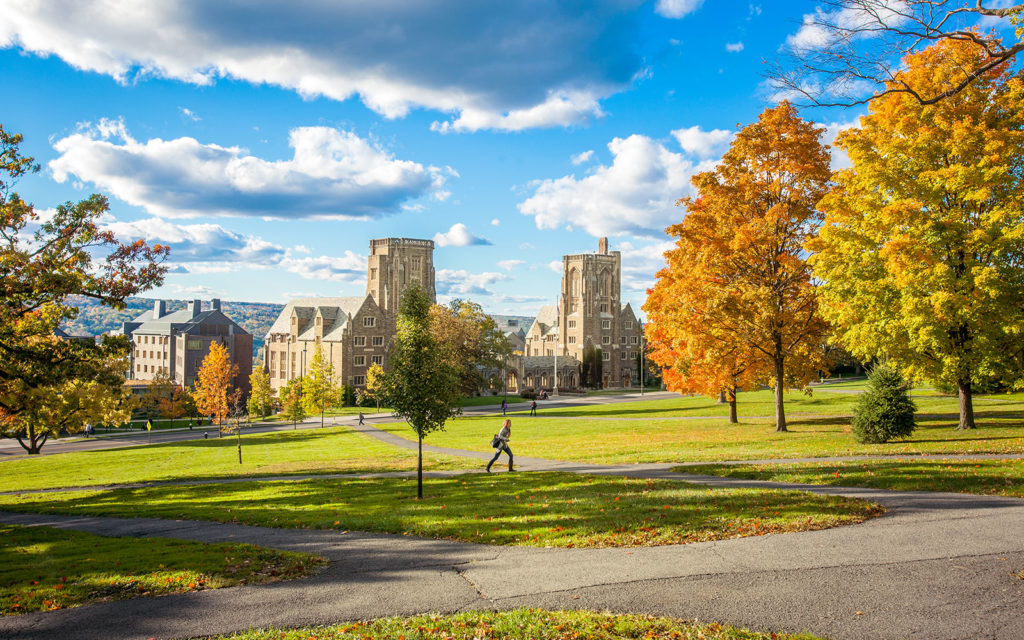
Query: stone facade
[[589, 313], [176, 343], [354, 332]]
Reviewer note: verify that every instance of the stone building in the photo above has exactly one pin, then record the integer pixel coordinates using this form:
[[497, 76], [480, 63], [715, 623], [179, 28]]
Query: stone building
[[353, 332], [177, 342], [589, 313]]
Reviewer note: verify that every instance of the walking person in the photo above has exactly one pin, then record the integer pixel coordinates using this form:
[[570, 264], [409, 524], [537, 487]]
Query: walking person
[[500, 442], [504, 407], [533, 407], [360, 418]]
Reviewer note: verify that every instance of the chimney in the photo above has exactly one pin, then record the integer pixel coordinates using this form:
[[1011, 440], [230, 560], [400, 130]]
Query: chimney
[[194, 307], [602, 246], [215, 304], [159, 309]]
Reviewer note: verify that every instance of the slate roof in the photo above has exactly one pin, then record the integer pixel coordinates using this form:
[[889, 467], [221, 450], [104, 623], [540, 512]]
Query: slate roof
[[181, 321], [335, 312], [541, 362], [546, 320]]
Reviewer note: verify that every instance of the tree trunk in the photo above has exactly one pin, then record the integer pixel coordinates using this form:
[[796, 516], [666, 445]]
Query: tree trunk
[[733, 418], [321, 418], [419, 468], [721, 397], [780, 407], [966, 405], [238, 433]]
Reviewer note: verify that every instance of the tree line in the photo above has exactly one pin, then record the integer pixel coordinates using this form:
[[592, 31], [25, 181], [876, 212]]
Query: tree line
[[913, 256]]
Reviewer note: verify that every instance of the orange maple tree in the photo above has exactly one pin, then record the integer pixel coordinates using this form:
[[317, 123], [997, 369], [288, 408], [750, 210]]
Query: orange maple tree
[[736, 303], [213, 383]]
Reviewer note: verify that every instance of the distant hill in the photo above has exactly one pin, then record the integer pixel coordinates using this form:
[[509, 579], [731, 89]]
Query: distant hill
[[95, 319]]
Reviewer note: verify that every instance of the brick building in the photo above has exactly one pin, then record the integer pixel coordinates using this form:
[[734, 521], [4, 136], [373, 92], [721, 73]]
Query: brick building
[[176, 343]]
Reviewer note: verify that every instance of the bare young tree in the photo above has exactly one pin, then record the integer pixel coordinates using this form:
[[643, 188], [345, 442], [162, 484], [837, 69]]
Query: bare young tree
[[849, 51]]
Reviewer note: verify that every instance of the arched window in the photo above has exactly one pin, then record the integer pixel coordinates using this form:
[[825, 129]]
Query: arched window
[[574, 280]]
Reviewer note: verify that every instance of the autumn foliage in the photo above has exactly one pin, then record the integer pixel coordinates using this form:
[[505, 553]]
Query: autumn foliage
[[922, 249], [213, 383], [736, 303]]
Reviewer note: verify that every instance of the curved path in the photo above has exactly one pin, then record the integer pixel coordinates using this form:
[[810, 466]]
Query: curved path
[[936, 566]]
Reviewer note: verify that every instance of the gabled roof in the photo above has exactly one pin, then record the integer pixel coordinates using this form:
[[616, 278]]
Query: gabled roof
[[334, 311], [181, 321], [546, 321]]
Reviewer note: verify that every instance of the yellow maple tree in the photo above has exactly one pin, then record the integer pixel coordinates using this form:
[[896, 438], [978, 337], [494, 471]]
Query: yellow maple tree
[[213, 393]]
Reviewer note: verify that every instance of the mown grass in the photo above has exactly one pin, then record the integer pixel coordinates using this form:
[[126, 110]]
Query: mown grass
[[526, 509], [42, 568], [520, 624], [617, 433], [331, 450], [984, 477]]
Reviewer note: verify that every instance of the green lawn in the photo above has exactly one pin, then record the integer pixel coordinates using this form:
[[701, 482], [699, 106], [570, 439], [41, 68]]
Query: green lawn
[[986, 477], [482, 401], [331, 450], [520, 624], [42, 568], [530, 509], [642, 432]]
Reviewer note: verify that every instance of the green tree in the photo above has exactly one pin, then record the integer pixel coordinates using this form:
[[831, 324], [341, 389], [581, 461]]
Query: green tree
[[422, 383], [319, 389], [292, 405], [67, 254], [922, 249], [261, 396], [885, 411], [375, 384], [472, 340]]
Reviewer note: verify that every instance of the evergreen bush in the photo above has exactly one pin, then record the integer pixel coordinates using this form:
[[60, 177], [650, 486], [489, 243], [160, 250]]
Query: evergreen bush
[[885, 411]]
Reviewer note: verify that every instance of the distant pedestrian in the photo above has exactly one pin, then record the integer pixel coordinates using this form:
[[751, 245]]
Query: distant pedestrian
[[206, 434], [500, 442], [360, 418], [504, 407], [533, 407]]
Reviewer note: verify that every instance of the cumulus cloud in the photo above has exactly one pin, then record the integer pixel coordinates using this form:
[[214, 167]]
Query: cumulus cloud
[[459, 282], [639, 266], [445, 55], [583, 157], [703, 143], [509, 265], [495, 222], [350, 268], [458, 235], [197, 291], [734, 47], [556, 266], [813, 36], [188, 113], [839, 158], [332, 174], [676, 8], [635, 194]]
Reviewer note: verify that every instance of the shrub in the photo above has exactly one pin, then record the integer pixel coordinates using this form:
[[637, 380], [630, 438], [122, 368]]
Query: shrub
[[528, 393], [885, 411]]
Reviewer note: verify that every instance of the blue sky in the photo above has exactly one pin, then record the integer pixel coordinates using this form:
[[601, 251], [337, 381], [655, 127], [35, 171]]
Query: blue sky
[[267, 143]]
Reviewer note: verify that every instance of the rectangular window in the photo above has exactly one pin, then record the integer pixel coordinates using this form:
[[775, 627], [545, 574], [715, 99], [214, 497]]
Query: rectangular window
[[359, 361], [377, 359], [606, 324], [633, 340], [368, 321], [572, 324], [193, 345], [358, 380], [629, 324], [572, 339], [622, 355], [360, 341], [606, 355], [378, 341], [622, 339], [606, 339], [145, 368], [138, 367], [373, 273], [604, 307]]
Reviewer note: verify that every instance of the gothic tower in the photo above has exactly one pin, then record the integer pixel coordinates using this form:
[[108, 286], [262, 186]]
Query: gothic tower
[[589, 307], [393, 265]]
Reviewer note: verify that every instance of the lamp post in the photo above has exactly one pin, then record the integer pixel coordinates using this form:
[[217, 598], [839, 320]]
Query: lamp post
[[643, 356]]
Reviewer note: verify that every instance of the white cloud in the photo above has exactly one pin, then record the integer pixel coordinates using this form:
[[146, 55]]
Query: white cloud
[[677, 8], [192, 243], [197, 291], [445, 55], [459, 235], [636, 194], [349, 268], [813, 36], [556, 266], [188, 113], [509, 265], [585, 156], [839, 158], [703, 143], [495, 222], [639, 266], [734, 47], [332, 174], [459, 282]]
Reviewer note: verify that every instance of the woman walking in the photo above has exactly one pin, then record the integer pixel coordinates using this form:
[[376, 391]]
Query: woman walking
[[500, 442]]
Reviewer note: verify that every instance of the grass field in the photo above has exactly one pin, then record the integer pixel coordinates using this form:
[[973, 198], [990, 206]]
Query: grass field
[[529, 509], [985, 477], [520, 624], [675, 430], [42, 568], [331, 450]]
